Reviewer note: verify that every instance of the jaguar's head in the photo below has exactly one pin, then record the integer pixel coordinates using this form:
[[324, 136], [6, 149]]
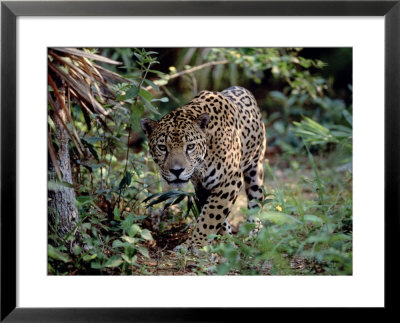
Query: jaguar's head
[[177, 144]]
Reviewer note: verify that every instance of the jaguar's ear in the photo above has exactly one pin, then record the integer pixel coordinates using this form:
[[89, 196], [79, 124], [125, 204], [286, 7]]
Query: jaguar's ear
[[202, 120], [148, 126]]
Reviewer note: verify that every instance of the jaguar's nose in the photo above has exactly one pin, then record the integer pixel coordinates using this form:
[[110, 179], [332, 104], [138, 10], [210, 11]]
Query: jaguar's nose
[[176, 172]]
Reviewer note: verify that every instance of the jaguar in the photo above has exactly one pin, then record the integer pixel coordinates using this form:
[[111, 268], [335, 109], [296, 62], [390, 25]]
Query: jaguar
[[217, 141]]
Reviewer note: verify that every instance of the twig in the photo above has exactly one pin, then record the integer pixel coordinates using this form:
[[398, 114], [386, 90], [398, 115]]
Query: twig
[[127, 150], [188, 71]]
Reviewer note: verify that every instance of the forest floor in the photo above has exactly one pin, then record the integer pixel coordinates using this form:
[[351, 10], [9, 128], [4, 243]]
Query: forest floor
[[164, 261], [318, 243]]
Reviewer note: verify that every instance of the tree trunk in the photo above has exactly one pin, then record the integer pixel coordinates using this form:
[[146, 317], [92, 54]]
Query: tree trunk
[[62, 211]]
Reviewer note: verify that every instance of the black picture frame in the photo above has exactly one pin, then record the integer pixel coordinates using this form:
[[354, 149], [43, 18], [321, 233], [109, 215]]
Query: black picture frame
[[10, 10]]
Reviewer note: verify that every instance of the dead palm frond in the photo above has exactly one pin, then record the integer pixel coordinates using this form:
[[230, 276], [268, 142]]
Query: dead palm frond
[[74, 76]]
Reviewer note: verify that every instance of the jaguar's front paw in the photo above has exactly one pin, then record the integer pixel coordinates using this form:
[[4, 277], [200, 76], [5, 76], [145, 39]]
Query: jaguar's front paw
[[182, 248], [258, 226], [185, 248]]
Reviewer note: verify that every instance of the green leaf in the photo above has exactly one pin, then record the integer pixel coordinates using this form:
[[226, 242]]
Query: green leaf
[[152, 84], [268, 201], [151, 197], [119, 244], [127, 222], [163, 99], [77, 250], [132, 92], [150, 107], [145, 94], [88, 258], [150, 52], [278, 217], [84, 199], [133, 230], [251, 212], [56, 254], [126, 259], [117, 213], [348, 116], [126, 180], [51, 123], [312, 218], [143, 251], [136, 115], [162, 197], [315, 125], [140, 217], [113, 262], [120, 98], [129, 239], [341, 237], [318, 238], [146, 234], [174, 202], [190, 206], [130, 261], [96, 265]]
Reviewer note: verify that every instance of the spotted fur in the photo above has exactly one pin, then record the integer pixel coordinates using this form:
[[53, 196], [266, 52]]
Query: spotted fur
[[218, 142]]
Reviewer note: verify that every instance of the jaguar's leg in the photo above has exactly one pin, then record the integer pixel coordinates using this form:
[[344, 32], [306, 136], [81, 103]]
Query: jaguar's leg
[[202, 194], [214, 214], [254, 178]]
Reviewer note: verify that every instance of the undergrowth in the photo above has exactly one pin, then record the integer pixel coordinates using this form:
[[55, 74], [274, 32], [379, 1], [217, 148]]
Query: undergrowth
[[307, 230]]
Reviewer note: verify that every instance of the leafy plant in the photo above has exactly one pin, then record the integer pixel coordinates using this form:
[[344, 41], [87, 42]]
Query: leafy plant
[[174, 197], [108, 195], [316, 134]]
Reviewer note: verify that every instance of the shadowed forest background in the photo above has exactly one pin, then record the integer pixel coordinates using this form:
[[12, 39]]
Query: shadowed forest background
[[109, 211]]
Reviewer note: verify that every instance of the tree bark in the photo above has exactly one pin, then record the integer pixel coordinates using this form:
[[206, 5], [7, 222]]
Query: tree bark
[[62, 211]]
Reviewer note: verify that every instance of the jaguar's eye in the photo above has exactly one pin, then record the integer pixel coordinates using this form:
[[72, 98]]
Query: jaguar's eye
[[190, 147], [162, 147]]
